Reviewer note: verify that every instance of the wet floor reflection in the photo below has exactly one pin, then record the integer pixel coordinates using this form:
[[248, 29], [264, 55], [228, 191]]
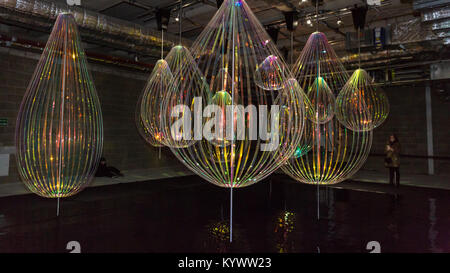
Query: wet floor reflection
[[190, 215]]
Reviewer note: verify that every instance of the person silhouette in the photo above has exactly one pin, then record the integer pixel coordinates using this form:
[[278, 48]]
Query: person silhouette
[[105, 170]]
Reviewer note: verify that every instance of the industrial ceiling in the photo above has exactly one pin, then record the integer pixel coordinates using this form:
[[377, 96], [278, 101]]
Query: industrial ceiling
[[410, 36]]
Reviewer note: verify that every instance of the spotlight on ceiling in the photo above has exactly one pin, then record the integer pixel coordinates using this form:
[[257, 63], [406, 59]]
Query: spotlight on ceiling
[[339, 21], [309, 22], [177, 19]]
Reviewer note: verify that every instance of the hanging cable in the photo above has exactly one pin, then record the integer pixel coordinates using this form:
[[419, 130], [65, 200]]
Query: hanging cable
[[317, 15], [180, 15], [359, 47], [292, 48], [162, 44]]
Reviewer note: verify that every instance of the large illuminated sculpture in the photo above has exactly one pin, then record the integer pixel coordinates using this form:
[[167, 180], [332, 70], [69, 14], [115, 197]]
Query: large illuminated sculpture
[[232, 99], [336, 153], [59, 130], [237, 68]]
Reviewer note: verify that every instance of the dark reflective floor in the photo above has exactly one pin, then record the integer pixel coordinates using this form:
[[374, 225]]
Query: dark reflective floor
[[190, 215]]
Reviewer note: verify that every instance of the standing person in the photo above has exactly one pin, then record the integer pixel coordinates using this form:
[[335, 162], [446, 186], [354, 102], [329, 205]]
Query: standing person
[[392, 159]]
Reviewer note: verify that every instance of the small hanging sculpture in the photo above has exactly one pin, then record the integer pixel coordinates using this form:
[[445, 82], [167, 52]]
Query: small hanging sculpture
[[361, 106], [148, 112]]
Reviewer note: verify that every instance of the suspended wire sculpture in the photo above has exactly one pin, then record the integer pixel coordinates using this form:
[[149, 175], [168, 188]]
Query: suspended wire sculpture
[[321, 74], [233, 42], [361, 106], [59, 131], [182, 91], [336, 153], [148, 113], [236, 78], [150, 108]]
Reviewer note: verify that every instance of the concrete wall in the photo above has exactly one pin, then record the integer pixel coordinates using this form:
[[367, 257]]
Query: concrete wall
[[118, 91], [407, 119]]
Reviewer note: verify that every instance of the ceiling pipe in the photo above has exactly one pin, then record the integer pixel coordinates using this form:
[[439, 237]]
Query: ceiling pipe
[[94, 26]]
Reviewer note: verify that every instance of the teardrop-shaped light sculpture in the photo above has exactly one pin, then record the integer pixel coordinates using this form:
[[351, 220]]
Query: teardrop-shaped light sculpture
[[59, 130], [336, 153], [235, 42], [361, 106], [149, 106], [322, 101], [319, 61], [179, 100], [269, 74]]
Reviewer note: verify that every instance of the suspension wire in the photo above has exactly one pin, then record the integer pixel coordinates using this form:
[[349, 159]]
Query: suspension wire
[[223, 52], [317, 15], [162, 57], [180, 15], [292, 48], [359, 47], [231, 214], [162, 43], [57, 207], [318, 202]]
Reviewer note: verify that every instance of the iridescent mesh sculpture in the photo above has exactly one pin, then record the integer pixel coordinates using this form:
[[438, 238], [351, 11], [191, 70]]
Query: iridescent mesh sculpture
[[188, 84], [361, 106], [237, 68], [59, 131], [321, 74], [270, 73], [336, 153], [148, 110]]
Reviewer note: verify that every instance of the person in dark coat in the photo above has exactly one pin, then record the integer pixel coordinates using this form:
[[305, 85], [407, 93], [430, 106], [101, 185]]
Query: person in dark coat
[[392, 159], [105, 170]]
